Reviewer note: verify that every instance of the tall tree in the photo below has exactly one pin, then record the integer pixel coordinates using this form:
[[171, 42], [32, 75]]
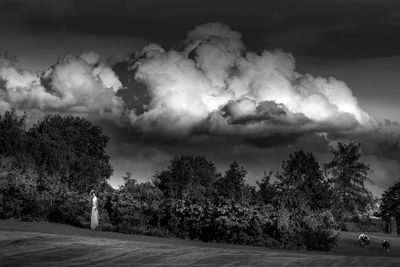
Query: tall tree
[[73, 148], [390, 203], [301, 178], [347, 175]]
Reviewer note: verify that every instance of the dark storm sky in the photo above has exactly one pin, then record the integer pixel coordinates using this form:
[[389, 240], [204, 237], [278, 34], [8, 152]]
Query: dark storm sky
[[331, 28], [356, 41]]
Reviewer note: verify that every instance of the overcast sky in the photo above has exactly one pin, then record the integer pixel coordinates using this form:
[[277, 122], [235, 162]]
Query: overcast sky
[[250, 81]]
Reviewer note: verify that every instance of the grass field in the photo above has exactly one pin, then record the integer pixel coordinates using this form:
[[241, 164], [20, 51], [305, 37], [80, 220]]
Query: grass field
[[47, 244]]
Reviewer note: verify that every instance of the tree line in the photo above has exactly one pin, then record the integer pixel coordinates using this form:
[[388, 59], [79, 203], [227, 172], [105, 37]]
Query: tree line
[[47, 170]]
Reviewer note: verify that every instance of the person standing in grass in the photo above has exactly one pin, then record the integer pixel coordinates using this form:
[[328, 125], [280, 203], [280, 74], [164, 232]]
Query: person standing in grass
[[94, 222]]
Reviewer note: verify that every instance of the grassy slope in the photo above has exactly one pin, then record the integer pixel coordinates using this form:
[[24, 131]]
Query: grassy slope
[[39, 243]]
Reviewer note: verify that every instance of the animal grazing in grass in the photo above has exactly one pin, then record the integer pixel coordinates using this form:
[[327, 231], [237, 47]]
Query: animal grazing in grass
[[386, 246], [364, 240]]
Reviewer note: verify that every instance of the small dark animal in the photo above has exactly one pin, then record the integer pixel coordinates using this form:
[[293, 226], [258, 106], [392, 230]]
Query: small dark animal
[[386, 246]]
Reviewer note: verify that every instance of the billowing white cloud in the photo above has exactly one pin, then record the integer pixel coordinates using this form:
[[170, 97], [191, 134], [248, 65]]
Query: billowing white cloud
[[211, 85], [80, 85], [212, 81]]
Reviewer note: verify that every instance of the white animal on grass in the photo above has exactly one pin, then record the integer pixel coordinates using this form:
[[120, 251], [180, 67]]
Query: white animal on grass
[[364, 240]]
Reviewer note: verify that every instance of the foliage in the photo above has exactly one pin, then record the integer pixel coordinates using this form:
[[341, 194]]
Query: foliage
[[44, 170], [17, 189], [229, 222], [301, 178], [312, 229], [22, 196], [367, 225], [347, 176], [187, 175], [267, 191], [390, 203], [231, 186], [12, 133], [73, 208], [134, 207], [72, 148]]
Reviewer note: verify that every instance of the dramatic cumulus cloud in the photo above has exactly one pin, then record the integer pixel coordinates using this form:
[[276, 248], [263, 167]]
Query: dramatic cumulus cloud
[[213, 85], [208, 85], [80, 85]]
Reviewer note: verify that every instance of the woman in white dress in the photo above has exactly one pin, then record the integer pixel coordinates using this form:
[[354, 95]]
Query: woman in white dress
[[94, 222]]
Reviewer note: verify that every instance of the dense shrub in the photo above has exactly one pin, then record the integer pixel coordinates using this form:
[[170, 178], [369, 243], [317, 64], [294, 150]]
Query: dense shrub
[[318, 234], [26, 196], [134, 208], [245, 224], [72, 208], [231, 223], [18, 193]]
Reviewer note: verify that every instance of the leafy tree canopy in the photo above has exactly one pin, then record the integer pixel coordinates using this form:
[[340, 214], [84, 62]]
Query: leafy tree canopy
[[347, 175], [12, 133], [71, 147], [301, 178], [267, 191], [232, 186], [390, 203], [187, 175]]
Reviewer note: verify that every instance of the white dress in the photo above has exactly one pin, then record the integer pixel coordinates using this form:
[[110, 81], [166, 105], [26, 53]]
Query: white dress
[[94, 222]]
